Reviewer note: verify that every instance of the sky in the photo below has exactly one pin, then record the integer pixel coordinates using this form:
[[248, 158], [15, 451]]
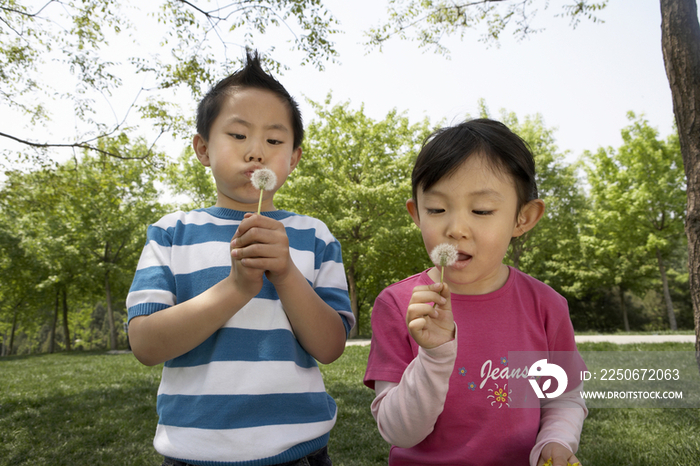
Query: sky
[[581, 81]]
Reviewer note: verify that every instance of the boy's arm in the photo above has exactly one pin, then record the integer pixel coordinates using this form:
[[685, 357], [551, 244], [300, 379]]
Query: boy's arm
[[173, 331], [317, 326], [261, 243]]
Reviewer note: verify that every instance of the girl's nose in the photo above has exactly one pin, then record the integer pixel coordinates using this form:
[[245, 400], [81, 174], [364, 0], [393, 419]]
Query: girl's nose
[[458, 228]]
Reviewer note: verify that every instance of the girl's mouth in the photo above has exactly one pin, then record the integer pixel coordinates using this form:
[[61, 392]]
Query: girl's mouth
[[462, 260]]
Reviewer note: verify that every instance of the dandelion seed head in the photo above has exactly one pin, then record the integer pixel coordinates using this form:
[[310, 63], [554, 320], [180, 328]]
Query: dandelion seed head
[[264, 179], [444, 255]]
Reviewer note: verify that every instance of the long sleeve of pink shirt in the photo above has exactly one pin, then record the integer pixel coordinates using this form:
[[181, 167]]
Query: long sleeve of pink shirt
[[406, 412]]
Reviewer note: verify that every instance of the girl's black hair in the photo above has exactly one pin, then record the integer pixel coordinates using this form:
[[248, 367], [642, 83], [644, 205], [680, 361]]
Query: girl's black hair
[[447, 148], [250, 76]]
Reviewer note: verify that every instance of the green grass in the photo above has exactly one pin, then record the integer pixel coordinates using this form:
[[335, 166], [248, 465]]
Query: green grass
[[640, 437], [77, 409], [97, 409]]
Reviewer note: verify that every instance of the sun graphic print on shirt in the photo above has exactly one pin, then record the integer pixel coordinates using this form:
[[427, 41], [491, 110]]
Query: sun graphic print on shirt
[[500, 395]]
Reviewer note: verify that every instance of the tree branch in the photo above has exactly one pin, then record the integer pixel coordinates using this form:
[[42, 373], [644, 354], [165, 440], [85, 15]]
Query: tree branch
[[24, 13], [74, 145]]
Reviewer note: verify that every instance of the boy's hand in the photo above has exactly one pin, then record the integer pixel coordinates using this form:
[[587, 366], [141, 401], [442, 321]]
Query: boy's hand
[[560, 455], [431, 326], [248, 280], [261, 245]]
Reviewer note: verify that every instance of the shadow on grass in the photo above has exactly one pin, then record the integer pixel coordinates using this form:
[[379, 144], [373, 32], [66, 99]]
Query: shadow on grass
[[641, 437], [355, 439], [63, 421], [107, 426]]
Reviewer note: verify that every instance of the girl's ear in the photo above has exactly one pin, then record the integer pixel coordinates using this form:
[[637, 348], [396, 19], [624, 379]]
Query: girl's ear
[[412, 208], [529, 215], [200, 148]]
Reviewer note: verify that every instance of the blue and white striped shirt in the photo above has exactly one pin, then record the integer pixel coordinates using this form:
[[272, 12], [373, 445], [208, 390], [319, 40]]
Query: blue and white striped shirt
[[250, 394]]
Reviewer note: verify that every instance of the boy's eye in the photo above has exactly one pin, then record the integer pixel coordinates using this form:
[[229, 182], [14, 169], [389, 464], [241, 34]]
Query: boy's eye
[[434, 211], [274, 142], [237, 136]]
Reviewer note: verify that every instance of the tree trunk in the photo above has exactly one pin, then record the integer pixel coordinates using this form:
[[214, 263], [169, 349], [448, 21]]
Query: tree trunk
[[66, 335], [14, 329], [52, 335], [352, 291], [680, 43], [623, 308], [110, 315], [667, 293]]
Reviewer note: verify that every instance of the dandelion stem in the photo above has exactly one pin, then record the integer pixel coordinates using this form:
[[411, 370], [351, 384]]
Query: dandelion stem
[[260, 201]]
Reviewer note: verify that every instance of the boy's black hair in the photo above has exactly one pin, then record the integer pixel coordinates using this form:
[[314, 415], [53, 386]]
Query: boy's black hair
[[250, 76], [447, 148]]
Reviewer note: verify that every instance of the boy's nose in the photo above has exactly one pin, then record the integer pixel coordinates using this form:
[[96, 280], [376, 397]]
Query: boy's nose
[[255, 153]]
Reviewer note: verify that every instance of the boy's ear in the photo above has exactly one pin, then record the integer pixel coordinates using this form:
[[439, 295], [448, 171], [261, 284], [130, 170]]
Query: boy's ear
[[412, 208], [294, 161], [201, 149], [529, 215]]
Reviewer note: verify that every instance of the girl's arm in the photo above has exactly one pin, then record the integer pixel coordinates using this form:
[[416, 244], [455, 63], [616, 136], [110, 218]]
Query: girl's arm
[[406, 412], [561, 422]]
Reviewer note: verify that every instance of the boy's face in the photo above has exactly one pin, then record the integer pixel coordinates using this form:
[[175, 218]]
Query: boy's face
[[252, 131], [474, 209]]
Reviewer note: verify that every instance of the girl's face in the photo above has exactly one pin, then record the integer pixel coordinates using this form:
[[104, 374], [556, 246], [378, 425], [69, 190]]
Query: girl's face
[[473, 209]]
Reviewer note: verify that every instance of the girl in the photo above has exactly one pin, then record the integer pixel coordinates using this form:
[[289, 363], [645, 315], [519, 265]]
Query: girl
[[439, 353]]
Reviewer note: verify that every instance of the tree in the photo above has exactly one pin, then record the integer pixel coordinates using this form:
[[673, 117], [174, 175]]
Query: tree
[[77, 231], [431, 20], [638, 197], [551, 251], [114, 202], [680, 42], [188, 177], [20, 272], [36, 214], [44, 41], [355, 177]]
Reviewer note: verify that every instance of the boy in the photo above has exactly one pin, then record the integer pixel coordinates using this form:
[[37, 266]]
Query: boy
[[238, 305]]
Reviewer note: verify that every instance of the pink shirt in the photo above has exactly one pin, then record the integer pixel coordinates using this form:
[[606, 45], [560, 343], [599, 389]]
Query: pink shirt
[[449, 405]]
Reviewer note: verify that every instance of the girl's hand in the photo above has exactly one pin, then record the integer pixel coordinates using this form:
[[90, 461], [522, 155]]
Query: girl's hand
[[560, 455], [431, 326]]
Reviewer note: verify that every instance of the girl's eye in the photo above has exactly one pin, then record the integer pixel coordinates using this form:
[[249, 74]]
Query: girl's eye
[[434, 211], [482, 212]]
